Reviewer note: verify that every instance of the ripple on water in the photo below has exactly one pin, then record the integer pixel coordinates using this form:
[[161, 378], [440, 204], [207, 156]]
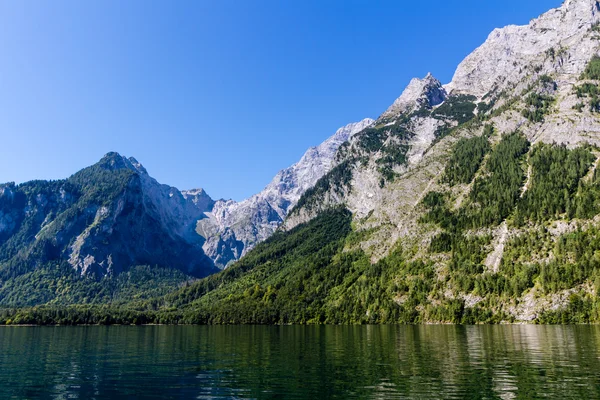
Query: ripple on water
[[296, 362]]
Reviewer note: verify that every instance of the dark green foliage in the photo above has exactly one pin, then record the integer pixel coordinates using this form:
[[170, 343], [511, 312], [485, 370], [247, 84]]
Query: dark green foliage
[[46, 201], [494, 195], [572, 263], [575, 260], [465, 160], [586, 202], [441, 243], [303, 276], [581, 309], [592, 71], [48, 217], [315, 282], [516, 273], [442, 131], [492, 199], [459, 108], [389, 142], [438, 211], [468, 254], [101, 182], [547, 81], [434, 200], [57, 208], [595, 104], [392, 154], [483, 107], [538, 105], [587, 89], [508, 104], [555, 175], [590, 91], [555, 188], [309, 276], [61, 285], [371, 140], [284, 279]]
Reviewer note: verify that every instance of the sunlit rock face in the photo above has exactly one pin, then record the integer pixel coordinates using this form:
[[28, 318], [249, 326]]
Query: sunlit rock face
[[428, 118], [232, 228]]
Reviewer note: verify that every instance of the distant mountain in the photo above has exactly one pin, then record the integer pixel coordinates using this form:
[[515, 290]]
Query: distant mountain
[[233, 228], [100, 222]]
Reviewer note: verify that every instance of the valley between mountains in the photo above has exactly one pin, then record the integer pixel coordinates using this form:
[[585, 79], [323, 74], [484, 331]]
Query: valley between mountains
[[476, 201]]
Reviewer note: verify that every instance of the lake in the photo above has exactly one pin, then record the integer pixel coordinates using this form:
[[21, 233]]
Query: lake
[[300, 362]]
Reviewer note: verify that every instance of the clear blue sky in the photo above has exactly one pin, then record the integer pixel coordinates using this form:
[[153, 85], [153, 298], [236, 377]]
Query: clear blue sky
[[216, 94]]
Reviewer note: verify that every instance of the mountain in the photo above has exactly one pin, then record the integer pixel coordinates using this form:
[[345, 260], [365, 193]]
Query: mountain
[[491, 196], [233, 228], [98, 223], [477, 201], [98, 228], [474, 201]]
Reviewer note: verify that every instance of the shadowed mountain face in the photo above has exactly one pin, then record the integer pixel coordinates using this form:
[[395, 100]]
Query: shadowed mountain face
[[101, 221]]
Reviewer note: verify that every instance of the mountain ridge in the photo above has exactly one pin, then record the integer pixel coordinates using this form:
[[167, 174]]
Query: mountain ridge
[[233, 228], [471, 202]]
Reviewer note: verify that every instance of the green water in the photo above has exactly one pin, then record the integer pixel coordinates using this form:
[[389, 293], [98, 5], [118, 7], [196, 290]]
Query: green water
[[300, 362]]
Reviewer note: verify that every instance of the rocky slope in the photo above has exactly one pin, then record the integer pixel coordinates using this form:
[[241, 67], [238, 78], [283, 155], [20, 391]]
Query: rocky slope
[[548, 56], [233, 228]]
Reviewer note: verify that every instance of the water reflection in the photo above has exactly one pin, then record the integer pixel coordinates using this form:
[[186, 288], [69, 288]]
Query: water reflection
[[301, 362]]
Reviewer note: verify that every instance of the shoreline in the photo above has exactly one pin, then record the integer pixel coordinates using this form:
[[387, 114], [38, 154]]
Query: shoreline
[[281, 325]]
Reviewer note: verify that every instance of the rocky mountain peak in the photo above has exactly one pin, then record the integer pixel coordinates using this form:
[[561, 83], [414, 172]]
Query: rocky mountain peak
[[137, 165], [427, 92], [113, 161], [198, 197], [580, 5], [327, 149], [557, 41], [346, 132], [194, 192]]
